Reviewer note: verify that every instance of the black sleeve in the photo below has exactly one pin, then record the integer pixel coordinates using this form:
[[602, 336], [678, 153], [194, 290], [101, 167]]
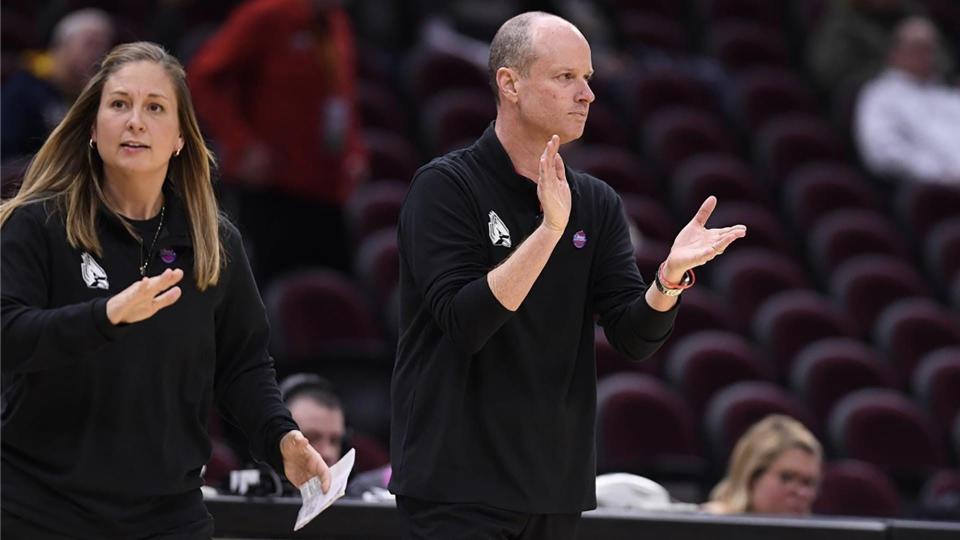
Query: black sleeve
[[442, 246], [630, 324], [36, 336], [245, 381]]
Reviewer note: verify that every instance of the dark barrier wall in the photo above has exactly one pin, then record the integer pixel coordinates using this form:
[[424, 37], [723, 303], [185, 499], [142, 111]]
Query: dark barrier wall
[[241, 518]]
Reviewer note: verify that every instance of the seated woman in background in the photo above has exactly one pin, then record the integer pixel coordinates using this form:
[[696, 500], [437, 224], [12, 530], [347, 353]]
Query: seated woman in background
[[774, 469]]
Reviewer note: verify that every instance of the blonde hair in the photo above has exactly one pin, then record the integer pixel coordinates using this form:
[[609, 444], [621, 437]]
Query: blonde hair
[[756, 450], [68, 173]]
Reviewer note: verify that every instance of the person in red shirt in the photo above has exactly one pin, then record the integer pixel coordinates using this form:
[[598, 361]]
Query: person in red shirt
[[282, 112]]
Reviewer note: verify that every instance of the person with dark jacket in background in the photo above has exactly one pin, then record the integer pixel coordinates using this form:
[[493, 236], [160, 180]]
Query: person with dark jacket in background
[[128, 309], [505, 257]]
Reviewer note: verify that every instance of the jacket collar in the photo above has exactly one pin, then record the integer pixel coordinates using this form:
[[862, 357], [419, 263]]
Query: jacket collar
[[492, 153]]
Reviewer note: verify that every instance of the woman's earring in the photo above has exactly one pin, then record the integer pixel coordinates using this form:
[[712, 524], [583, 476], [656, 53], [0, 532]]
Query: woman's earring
[[93, 144], [177, 153]]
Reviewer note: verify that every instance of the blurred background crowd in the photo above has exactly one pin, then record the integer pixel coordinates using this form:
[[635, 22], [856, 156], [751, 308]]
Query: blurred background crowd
[[831, 128]]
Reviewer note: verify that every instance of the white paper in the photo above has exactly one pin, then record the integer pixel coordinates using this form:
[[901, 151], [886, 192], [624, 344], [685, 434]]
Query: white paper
[[314, 500]]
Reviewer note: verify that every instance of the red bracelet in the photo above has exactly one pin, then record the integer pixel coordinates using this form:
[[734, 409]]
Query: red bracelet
[[689, 278]]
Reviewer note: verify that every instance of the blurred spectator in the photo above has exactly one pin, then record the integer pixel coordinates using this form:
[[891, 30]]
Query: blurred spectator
[[774, 469], [907, 119], [35, 99], [283, 113], [317, 410], [851, 43]]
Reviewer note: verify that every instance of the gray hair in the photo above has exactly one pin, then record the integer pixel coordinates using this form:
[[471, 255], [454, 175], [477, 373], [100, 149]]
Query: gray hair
[[82, 19]]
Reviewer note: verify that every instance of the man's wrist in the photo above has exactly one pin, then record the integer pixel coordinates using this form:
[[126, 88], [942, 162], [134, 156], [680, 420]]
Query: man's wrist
[[671, 274]]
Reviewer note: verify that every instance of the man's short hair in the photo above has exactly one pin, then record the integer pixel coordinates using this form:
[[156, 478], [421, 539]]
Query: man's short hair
[[311, 386], [512, 47]]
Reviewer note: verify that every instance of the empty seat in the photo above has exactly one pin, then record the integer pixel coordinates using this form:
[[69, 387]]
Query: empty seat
[[702, 310], [939, 496], [610, 360], [936, 383], [318, 313], [722, 175], [786, 143], [789, 321], [604, 126], [922, 205], [746, 277], [666, 8], [663, 88], [621, 168], [739, 45], [865, 285], [455, 118], [672, 136], [764, 229], [377, 266], [763, 94], [391, 155], [703, 363], [911, 328], [642, 30], [813, 191], [650, 217], [942, 251], [430, 72], [884, 428], [855, 488], [631, 407], [732, 411], [757, 11], [844, 234], [380, 108], [827, 370], [374, 207]]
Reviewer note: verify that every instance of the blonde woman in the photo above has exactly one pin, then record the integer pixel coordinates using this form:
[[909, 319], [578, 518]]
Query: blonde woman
[[128, 309], [774, 469]]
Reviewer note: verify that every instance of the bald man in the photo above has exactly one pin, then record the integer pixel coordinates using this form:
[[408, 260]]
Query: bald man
[[907, 120], [506, 256]]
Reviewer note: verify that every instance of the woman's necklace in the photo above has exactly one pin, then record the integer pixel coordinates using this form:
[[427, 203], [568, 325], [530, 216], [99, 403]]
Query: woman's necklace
[[144, 262]]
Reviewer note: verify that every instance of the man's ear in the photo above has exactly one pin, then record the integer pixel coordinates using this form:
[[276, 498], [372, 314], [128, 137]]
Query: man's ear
[[507, 82]]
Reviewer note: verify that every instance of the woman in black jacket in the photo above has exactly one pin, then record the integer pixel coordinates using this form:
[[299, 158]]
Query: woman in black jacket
[[128, 309]]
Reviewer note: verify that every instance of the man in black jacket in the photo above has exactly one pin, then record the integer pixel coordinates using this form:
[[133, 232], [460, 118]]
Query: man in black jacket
[[505, 257]]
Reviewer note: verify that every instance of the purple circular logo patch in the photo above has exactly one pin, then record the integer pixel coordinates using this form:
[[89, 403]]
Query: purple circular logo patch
[[579, 239], [168, 255]]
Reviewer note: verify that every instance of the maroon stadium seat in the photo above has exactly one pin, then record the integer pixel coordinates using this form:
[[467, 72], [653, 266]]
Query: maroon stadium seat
[[827, 370], [923, 205], [673, 136], [431, 71], [651, 30], [764, 229], [631, 408], [621, 168], [845, 234], [721, 175], [813, 191], [391, 155], [650, 217], [763, 94], [377, 266], [740, 45], [911, 328], [936, 384], [884, 428], [703, 363], [455, 118], [788, 142], [789, 321], [867, 284], [758, 11], [942, 251], [855, 488], [746, 277], [374, 207], [664, 88]]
